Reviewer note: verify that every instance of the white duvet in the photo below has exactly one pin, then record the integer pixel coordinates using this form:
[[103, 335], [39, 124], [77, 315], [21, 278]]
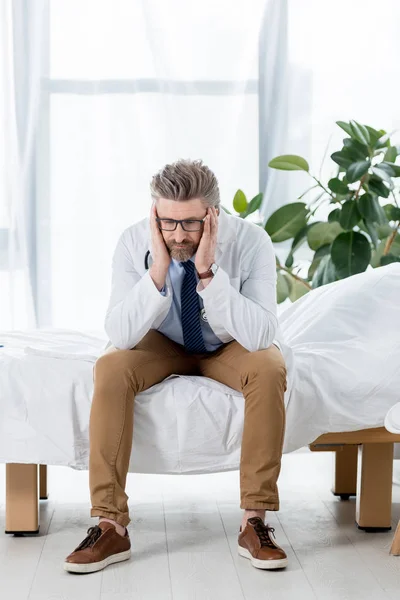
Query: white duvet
[[342, 352]]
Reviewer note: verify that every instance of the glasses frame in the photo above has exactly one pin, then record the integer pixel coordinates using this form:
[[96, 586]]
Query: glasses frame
[[181, 221]]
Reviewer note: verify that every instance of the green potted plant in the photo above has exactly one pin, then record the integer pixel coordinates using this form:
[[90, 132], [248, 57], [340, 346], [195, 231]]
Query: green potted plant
[[359, 231]]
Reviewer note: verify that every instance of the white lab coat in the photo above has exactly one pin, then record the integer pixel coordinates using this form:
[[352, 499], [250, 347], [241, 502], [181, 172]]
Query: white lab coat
[[240, 300]]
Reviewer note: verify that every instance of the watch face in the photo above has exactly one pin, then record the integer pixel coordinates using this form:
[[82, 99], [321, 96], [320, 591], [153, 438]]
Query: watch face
[[214, 268]]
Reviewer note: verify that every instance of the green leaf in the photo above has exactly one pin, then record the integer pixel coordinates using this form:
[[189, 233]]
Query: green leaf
[[389, 258], [374, 134], [378, 253], [395, 247], [345, 126], [349, 215], [384, 140], [319, 272], [240, 201], [390, 168], [289, 162], [319, 254], [337, 186], [351, 253], [300, 237], [285, 222], [329, 274], [253, 205], [372, 232], [387, 168], [360, 132], [395, 213], [370, 209], [342, 158], [383, 231], [298, 290], [383, 175], [289, 260], [283, 287], [388, 210], [322, 251], [376, 186], [356, 150], [390, 154], [357, 170], [334, 215], [322, 233]]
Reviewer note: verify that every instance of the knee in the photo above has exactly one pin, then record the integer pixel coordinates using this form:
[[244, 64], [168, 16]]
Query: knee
[[114, 366], [266, 365]]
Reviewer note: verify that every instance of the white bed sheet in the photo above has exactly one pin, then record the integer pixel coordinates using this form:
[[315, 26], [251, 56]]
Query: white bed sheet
[[342, 351]]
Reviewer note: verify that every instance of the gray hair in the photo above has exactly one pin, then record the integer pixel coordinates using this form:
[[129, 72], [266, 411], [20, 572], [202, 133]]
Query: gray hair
[[186, 180]]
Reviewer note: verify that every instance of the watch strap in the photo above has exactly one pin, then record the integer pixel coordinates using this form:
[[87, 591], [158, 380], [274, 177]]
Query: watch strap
[[206, 274]]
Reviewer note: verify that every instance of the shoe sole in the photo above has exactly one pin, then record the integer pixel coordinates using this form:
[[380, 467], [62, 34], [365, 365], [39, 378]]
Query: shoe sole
[[97, 566], [263, 564]]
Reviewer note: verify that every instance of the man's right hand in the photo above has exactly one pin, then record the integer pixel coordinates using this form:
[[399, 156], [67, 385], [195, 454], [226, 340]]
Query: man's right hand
[[159, 252]]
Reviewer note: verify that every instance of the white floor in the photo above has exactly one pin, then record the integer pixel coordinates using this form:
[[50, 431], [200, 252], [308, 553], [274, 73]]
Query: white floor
[[184, 538]]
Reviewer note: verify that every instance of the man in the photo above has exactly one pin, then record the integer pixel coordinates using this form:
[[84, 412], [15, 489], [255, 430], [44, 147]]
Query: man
[[206, 305]]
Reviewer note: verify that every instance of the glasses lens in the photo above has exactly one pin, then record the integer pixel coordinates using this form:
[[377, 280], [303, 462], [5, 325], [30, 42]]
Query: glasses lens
[[167, 224], [191, 225]]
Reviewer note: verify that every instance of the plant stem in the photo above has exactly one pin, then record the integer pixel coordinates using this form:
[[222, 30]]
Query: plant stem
[[317, 206], [325, 153], [321, 185], [390, 240], [306, 192], [295, 277], [394, 198], [359, 188]]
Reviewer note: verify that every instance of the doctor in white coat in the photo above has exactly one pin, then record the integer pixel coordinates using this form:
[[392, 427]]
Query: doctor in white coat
[[193, 292]]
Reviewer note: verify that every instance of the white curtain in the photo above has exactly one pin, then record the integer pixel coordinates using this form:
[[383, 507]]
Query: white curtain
[[129, 85], [21, 55], [342, 63]]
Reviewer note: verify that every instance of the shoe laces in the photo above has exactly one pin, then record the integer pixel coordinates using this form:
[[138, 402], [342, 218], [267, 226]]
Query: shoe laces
[[262, 530], [93, 535]]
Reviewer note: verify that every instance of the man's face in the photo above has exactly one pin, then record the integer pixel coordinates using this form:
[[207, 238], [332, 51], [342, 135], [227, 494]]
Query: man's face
[[182, 245]]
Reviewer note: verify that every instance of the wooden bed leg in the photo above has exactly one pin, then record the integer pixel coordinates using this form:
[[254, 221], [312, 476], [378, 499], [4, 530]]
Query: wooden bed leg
[[43, 494], [395, 549], [374, 487], [345, 471], [22, 499]]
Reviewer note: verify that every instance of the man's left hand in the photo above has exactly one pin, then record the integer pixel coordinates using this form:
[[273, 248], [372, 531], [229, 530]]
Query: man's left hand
[[205, 255]]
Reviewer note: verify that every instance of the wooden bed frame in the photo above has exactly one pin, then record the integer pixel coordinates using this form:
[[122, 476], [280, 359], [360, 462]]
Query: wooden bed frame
[[363, 467]]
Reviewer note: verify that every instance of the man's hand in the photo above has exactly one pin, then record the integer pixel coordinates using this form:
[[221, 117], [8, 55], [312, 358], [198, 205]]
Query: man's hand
[[205, 254], [159, 252]]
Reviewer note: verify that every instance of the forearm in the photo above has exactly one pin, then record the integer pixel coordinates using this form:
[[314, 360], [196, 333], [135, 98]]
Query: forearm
[[158, 276], [128, 320], [253, 325]]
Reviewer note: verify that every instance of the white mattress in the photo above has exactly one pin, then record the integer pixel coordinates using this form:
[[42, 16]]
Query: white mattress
[[342, 352]]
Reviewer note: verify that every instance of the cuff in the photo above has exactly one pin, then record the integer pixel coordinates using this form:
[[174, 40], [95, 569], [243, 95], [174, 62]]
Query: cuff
[[218, 285], [153, 290]]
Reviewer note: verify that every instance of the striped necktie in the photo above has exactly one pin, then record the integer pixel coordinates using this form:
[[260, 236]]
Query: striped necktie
[[190, 312]]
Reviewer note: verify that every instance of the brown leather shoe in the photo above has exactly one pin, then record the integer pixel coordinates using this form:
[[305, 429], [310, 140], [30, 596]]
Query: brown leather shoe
[[255, 543], [101, 547]]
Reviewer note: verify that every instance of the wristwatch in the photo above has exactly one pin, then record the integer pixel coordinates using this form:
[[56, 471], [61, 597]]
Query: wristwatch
[[210, 273]]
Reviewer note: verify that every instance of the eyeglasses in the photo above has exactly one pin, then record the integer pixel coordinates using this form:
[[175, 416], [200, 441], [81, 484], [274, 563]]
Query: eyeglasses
[[187, 224]]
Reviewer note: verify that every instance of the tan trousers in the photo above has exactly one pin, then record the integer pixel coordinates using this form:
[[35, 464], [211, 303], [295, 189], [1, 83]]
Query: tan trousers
[[121, 374]]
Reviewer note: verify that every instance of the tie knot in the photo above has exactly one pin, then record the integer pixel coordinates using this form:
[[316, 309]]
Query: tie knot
[[188, 266]]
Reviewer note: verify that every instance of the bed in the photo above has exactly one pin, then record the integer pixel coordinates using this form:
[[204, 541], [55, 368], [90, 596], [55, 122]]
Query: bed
[[341, 348]]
